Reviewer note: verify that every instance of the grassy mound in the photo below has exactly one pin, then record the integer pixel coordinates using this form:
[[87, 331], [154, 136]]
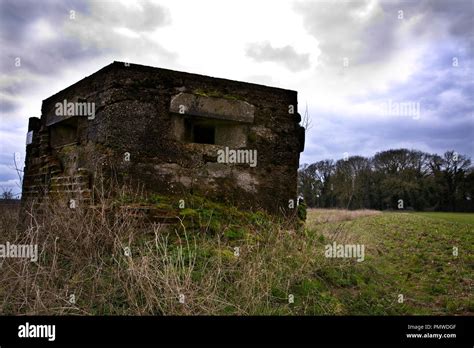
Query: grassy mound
[[218, 260]]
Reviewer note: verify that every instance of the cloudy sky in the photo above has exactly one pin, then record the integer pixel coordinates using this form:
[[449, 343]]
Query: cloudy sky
[[375, 75]]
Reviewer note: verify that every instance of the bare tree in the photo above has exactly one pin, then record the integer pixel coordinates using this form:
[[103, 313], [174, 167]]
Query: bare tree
[[18, 170], [7, 194], [306, 119]]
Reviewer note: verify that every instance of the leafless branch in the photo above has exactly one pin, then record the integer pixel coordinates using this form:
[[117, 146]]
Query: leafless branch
[[306, 119]]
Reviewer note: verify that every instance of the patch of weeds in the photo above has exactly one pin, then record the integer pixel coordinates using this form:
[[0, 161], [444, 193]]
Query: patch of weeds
[[278, 295], [339, 276], [188, 212], [302, 212], [309, 287], [436, 289], [234, 232], [157, 199]]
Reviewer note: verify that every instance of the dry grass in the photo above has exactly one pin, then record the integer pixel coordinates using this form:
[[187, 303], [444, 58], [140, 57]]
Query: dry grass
[[319, 216], [331, 223], [191, 268], [110, 262]]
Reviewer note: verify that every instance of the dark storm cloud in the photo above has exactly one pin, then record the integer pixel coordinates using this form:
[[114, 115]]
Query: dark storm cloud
[[368, 32], [456, 14], [76, 37], [146, 18], [17, 32], [442, 83], [94, 20], [351, 29], [17, 16], [45, 59], [16, 29], [286, 56], [336, 135]]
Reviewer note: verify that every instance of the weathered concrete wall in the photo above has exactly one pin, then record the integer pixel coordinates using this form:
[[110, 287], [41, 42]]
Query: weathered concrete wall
[[153, 115]]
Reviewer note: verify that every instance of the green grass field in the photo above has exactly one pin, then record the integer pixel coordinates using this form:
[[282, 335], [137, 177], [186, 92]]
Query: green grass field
[[229, 262], [467, 218], [406, 254]]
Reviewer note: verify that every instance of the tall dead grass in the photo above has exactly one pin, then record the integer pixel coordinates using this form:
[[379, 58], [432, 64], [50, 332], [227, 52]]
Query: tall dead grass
[[105, 261], [337, 215]]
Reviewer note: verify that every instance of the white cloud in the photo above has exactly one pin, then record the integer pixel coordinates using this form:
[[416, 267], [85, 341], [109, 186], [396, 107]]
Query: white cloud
[[43, 30]]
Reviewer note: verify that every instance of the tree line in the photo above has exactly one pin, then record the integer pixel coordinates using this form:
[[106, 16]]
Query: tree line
[[392, 179]]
